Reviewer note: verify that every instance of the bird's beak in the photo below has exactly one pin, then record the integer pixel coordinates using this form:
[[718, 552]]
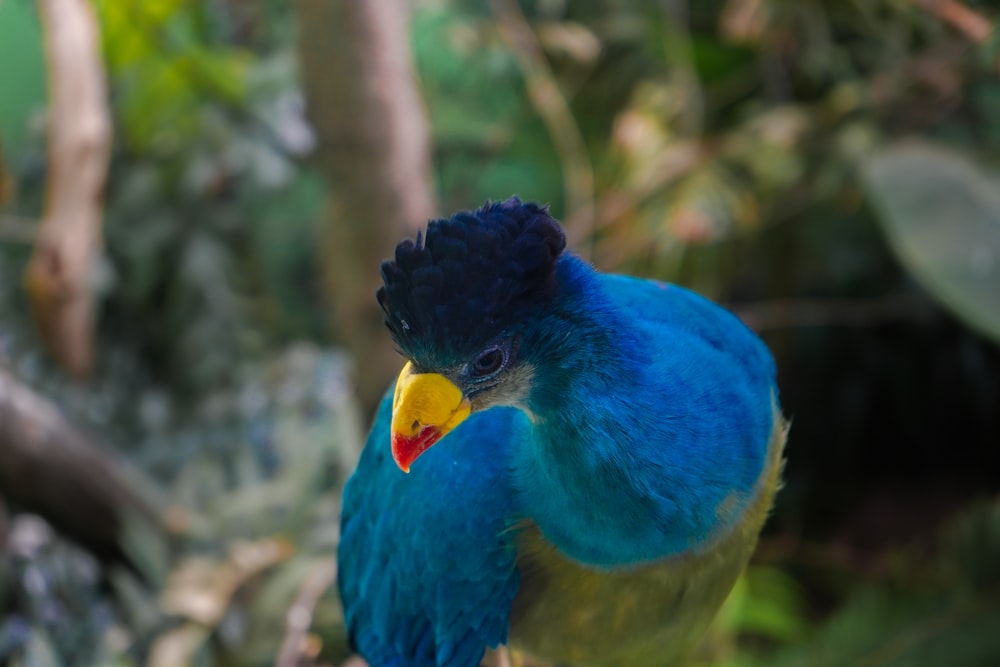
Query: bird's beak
[[425, 407]]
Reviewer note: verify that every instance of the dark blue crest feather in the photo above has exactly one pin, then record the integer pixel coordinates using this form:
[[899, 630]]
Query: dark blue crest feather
[[469, 277]]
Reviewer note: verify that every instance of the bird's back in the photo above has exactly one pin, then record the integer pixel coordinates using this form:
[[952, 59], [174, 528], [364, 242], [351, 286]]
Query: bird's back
[[652, 615]]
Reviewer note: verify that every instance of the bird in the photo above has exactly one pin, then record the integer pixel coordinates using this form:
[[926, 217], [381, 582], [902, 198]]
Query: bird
[[572, 464]]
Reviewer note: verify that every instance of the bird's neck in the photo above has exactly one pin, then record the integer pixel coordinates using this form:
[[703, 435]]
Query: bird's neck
[[591, 503], [593, 488]]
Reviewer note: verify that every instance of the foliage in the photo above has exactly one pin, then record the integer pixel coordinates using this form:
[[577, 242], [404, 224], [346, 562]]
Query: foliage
[[917, 187], [703, 125], [750, 148], [209, 216], [19, 41], [254, 511], [944, 610]]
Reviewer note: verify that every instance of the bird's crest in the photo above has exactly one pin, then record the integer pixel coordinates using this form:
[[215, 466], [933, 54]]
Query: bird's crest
[[469, 277]]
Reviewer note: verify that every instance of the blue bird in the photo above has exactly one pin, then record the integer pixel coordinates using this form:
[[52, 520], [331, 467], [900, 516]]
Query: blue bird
[[571, 463]]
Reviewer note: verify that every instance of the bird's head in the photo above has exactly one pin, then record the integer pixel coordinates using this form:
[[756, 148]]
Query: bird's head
[[457, 302]]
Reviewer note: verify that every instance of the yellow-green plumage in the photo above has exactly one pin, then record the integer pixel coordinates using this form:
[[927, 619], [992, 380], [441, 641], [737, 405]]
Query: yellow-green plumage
[[669, 604]]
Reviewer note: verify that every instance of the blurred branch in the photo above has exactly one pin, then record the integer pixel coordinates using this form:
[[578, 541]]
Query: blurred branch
[[836, 558], [58, 278], [374, 147], [299, 617], [551, 106], [201, 589], [963, 18], [48, 467], [797, 313]]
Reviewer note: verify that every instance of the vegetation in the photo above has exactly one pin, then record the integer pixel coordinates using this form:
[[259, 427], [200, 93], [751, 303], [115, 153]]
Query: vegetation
[[827, 168]]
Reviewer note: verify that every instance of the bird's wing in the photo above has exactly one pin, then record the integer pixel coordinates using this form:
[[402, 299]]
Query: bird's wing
[[427, 559], [671, 307], [711, 394]]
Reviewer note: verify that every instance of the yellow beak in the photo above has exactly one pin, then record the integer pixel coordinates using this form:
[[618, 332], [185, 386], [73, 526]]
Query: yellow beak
[[424, 408]]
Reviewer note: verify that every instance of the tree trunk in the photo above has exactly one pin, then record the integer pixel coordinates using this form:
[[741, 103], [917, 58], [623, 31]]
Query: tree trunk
[[373, 146]]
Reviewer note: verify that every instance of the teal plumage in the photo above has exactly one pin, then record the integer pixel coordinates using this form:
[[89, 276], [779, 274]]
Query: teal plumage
[[596, 506]]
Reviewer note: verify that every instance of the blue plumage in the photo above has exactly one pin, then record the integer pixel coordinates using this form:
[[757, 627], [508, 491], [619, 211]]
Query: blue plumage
[[427, 560], [624, 442]]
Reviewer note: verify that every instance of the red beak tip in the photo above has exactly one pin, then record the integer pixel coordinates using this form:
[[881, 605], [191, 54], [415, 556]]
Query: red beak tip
[[406, 449]]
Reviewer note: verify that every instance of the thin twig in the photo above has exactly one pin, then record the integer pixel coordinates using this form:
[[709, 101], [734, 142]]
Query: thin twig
[[963, 18], [960, 16], [799, 313], [551, 106], [298, 620], [50, 467]]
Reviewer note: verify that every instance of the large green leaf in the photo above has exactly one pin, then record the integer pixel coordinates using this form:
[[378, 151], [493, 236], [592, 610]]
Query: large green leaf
[[941, 213]]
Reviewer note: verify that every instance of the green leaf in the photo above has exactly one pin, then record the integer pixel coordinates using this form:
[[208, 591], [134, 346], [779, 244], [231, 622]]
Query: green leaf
[[941, 214], [943, 613]]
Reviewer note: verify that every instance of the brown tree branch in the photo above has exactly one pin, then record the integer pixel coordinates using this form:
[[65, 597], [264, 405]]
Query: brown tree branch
[[551, 106], [50, 468], [374, 147], [963, 18], [59, 274], [798, 313]]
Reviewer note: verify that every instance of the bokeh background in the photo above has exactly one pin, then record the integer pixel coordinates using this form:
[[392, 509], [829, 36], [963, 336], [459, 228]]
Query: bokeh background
[[188, 361]]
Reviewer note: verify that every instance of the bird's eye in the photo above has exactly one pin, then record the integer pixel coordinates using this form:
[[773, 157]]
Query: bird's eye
[[488, 362]]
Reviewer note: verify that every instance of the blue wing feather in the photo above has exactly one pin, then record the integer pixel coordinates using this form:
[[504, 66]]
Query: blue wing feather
[[427, 559]]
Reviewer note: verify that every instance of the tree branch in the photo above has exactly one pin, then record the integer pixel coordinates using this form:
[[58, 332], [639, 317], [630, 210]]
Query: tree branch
[[798, 313], [49, 468], [551, 106], [59, 274], [963, 18]]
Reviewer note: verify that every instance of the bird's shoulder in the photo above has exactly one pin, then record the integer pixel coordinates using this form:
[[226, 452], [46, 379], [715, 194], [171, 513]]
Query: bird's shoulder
[[661, 311], [427, 559]]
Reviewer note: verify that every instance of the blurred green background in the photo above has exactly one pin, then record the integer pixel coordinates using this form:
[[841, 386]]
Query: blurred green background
[[826, 168]]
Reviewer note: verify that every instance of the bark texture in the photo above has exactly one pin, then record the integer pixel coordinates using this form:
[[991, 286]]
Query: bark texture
[[373, 146], [59, 275]]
